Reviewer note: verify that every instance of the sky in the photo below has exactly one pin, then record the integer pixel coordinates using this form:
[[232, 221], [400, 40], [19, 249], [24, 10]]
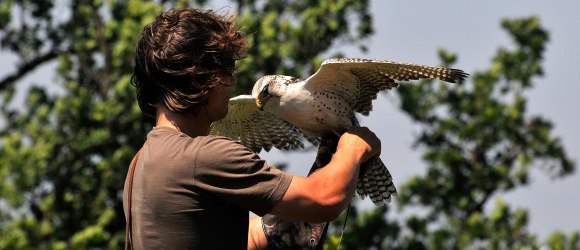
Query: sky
[[412, 31]]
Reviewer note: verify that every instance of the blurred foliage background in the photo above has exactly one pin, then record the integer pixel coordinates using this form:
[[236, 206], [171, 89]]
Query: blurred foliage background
[[64, 154]]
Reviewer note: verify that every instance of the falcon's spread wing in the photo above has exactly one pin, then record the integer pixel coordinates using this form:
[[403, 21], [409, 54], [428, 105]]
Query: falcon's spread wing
[[359, 80], [255, 128]]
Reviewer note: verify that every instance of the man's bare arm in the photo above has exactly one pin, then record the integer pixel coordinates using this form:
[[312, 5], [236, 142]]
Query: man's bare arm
[[323, 195]]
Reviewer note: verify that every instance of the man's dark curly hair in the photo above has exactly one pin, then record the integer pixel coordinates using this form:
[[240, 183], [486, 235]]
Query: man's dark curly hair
[[179, 58]]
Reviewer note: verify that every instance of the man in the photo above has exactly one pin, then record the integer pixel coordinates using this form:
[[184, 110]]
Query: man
[[192, 190]]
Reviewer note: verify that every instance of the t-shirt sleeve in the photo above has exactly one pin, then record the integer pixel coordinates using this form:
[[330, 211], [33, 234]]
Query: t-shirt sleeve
[[236, 174]]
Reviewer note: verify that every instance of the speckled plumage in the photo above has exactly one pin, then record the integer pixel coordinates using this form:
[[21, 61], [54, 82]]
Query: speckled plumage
[[324, 103]]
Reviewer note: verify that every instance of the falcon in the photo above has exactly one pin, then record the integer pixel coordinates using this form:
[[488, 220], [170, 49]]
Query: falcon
[[284, 111]]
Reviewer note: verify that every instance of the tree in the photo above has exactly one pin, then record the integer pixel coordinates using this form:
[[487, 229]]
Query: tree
[[478, 141], [64, 155]]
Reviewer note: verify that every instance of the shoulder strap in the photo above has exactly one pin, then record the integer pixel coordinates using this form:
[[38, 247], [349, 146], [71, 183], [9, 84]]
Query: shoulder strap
[[128, 193]]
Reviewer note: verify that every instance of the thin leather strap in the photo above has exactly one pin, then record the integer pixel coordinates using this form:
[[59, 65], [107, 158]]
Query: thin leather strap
[[128, 193]]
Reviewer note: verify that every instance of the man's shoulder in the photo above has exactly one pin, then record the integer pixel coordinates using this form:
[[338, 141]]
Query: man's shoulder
[[212, 146], [170, 137], [221, 141]]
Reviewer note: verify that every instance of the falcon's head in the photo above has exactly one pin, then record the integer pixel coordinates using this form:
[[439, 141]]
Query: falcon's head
[[270, 86]]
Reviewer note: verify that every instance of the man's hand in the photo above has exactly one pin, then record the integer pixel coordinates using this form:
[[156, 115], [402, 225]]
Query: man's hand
[[256, 237], [361, 140]]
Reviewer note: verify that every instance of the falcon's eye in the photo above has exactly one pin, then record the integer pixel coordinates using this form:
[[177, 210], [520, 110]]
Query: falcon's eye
[[265, 92]]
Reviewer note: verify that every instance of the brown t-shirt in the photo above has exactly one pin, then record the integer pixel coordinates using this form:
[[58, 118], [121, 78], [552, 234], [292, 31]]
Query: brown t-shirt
[[195, 193]]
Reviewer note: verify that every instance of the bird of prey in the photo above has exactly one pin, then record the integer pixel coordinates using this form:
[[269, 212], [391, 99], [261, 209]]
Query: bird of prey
[[283, 110]]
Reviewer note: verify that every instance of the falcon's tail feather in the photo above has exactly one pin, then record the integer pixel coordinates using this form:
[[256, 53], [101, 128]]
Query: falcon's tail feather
[[377, 183]]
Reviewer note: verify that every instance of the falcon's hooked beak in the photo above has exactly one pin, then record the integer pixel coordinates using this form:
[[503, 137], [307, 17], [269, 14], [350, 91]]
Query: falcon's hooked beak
[[260, 104], [262, 98]]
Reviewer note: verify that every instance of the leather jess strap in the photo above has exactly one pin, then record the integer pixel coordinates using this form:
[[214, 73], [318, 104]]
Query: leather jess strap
[[128, 193]]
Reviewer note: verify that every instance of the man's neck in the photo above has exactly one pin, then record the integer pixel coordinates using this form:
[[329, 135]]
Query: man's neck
[[192, 125]]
